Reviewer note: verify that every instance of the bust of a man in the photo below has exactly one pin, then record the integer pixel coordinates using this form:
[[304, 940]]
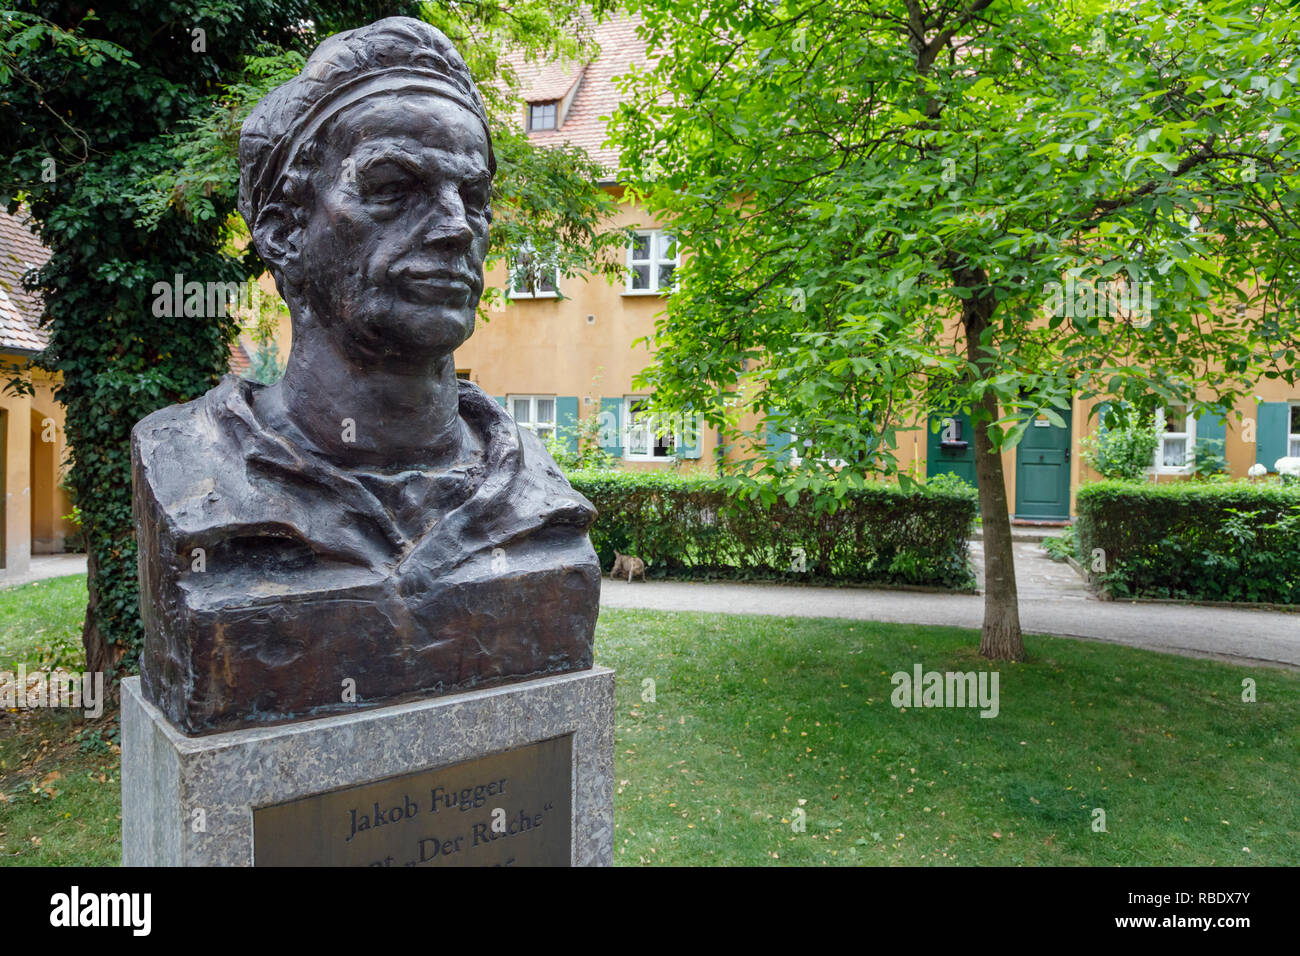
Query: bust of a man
[[370, 528]]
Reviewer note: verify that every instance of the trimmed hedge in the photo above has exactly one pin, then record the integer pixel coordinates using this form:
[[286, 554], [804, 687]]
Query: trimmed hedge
[[1208, 541], [687, 525]]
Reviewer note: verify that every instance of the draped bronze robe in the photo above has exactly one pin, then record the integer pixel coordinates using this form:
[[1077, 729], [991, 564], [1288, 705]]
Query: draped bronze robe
[[270, 578]]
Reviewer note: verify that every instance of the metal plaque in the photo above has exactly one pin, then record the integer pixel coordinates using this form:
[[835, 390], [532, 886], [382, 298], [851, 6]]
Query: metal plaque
[[509, 809]]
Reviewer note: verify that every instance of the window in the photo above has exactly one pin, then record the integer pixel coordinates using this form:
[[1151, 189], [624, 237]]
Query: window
[[802, 450], [651, 261], [531, 277], [462, 373], [644, 439], [534, 412], [1177, 431], [541, 115], [1293, 432]]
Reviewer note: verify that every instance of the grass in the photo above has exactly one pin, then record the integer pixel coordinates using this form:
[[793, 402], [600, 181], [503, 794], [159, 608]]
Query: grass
[[40, 623], [60, 798], [748, 719], [755, 717]]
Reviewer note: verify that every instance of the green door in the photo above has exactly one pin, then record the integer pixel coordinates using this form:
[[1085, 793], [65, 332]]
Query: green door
[[951, 449], [1043, 470]]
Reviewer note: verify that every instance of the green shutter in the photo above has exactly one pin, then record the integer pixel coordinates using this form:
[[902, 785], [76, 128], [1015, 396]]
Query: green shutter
[[778, 441], [1211, 428], [691, 438], [611, 426], [501, 400], [1271, 435], [956, 461], [566, 421]]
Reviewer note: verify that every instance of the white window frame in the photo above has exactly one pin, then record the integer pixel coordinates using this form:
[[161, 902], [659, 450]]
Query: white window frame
[[654, 237], [538, 427], [515, 272], [1292, 437], [1189, 437], [625, 434]]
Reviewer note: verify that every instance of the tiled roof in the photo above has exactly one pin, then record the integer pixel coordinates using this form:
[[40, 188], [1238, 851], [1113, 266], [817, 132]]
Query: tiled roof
[[596, 96], [239, 360], [552, 81], [20, 311]]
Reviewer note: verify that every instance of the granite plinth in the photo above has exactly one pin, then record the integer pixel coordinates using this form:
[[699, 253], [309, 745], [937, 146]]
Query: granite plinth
[[189, 801]]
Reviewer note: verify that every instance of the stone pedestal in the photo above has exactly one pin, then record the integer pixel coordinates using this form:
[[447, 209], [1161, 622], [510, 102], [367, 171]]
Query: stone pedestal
[[511, 775]]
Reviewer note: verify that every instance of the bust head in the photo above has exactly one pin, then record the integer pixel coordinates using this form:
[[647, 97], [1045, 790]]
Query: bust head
[[365, 182], [368, 517]]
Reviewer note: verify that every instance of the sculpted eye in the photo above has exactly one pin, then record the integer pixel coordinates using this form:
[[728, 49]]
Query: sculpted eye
[[475, 195], [386, 190]]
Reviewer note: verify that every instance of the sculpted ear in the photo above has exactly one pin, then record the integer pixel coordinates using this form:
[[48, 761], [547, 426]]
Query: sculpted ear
[[278, 238]]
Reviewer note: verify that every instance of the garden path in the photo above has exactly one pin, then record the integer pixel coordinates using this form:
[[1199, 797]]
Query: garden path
[[1053, 600]]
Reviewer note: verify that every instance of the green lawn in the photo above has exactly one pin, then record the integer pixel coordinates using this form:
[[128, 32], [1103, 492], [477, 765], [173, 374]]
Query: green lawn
[[59, 790], [755, 717]]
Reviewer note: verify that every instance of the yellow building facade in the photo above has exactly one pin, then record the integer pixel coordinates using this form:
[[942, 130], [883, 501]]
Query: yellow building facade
[[33, 447]]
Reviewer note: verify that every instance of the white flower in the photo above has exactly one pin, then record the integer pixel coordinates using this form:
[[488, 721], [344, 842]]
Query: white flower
[[1257, 470], [1287, 466]]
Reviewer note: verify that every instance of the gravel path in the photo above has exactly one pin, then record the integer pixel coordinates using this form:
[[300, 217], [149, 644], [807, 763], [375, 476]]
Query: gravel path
[[1053, 600]]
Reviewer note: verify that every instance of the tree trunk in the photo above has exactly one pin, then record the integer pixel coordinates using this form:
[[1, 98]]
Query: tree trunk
[[1000, 636], [100, 655]]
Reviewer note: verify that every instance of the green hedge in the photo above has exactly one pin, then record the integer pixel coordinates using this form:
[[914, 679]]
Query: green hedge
[[1209, 541], [686, 525]]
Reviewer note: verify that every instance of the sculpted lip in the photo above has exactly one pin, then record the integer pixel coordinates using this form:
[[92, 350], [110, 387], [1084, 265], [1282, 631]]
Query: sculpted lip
[[430, 284]]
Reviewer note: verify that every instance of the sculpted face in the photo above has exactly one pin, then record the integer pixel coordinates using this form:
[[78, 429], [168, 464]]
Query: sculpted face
[[394, 245]]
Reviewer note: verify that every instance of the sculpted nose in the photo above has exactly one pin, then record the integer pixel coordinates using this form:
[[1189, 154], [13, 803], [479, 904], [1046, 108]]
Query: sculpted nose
[[446, 226]]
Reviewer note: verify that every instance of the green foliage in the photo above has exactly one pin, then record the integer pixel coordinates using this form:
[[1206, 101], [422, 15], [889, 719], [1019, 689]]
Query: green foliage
[[100, 739], [1208, 458], [1123, 452], [947, 481], [590, 456], [265, 365], [891, 180], [1217, 541], [692, 525], [882, 213], [1062, 546], [95, 114]]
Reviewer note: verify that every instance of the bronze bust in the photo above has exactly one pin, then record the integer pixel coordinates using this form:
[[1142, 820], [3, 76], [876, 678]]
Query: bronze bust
[[370, 528]]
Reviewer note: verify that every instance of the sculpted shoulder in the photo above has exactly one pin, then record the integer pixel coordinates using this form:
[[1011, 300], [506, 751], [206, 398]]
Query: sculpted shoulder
[[186, 460]]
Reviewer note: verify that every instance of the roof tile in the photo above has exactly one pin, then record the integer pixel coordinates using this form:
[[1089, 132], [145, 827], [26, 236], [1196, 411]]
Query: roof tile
[[596, 98], [20, 310]]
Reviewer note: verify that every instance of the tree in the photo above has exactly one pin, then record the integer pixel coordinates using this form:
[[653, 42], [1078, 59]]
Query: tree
[[884, 206], [121, 129]]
